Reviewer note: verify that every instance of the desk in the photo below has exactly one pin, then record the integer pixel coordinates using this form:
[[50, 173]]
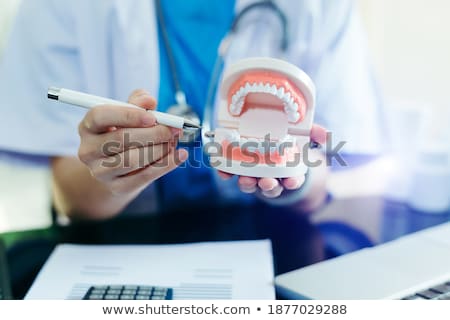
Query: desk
[[342, 226]]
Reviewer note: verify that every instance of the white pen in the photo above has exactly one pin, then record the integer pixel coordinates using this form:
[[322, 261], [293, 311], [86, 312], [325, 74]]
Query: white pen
[[88, 101]]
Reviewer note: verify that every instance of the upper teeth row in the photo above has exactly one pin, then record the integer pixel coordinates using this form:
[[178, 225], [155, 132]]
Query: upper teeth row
[[290, 106]]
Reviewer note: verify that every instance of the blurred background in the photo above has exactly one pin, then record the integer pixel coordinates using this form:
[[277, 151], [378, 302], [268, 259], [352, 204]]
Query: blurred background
[[409, 44]]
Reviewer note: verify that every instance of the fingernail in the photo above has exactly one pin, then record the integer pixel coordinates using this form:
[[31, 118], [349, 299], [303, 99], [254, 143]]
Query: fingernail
[[147, 120], [182, 155]]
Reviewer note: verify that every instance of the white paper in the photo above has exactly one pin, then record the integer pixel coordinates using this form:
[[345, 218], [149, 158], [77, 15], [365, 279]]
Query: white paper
[[210, 270]]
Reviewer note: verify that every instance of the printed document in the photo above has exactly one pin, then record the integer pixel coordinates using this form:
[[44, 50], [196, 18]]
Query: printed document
[[210, 270]]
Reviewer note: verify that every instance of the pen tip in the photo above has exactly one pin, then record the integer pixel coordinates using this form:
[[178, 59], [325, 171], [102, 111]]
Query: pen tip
[[53, 93], [191, 124]]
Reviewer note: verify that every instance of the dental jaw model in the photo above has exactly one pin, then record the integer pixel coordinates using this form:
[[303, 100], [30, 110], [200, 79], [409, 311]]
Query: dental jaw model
[[264, 119]]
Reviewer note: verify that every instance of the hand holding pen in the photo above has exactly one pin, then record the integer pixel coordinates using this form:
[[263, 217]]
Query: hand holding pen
[[125, 148]]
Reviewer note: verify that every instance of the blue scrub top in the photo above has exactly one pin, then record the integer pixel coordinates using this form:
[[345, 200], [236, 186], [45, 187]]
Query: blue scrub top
[[195, 31]]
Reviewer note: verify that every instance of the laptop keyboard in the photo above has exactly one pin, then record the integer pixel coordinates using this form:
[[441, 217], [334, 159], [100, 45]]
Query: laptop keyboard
[[440, 292], [128, 292]]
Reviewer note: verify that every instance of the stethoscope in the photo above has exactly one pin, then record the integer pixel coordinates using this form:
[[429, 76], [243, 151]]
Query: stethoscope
[[181, 107]]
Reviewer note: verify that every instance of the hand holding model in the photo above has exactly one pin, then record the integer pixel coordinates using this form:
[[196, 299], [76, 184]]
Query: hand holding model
[[265, 125], [273, 187]]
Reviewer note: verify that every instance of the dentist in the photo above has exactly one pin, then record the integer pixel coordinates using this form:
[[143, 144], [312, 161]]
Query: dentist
[[111, 48]]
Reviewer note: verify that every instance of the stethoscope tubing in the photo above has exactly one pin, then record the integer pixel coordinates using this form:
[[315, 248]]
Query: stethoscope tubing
[[180, 96]]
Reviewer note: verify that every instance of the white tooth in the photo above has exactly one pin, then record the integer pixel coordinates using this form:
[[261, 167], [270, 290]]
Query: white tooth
[[291, 100], [232, 135], [241, 91], [292, 107], [287, 139], [273, 90], [236, 135], [267, 88], [227, 135], [253, 87], [261, 87], [295, 106], [234, 98], [288, 95], [237, 110], [293, 117], [291, 113], [290, 117], [280, 92], [247, 86]]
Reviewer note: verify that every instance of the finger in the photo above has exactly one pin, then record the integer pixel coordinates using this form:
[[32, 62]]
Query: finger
[[129, 161], [247, 182], [99, 119], [146, 176], [143, 99], [274, 193], [123, 139], [293, 183], [224, 175], [318, 134], [245, 189], [267, 184]]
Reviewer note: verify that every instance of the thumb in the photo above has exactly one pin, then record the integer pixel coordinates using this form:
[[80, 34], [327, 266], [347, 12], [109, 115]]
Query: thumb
[[318, 134], [143, 99]]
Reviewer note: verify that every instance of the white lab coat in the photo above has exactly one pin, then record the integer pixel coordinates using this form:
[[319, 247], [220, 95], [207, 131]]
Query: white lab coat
[[109, 48]]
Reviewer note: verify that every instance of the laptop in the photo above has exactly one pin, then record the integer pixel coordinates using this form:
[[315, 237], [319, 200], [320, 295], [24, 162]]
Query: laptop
[[416, 266], [5, 285]]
